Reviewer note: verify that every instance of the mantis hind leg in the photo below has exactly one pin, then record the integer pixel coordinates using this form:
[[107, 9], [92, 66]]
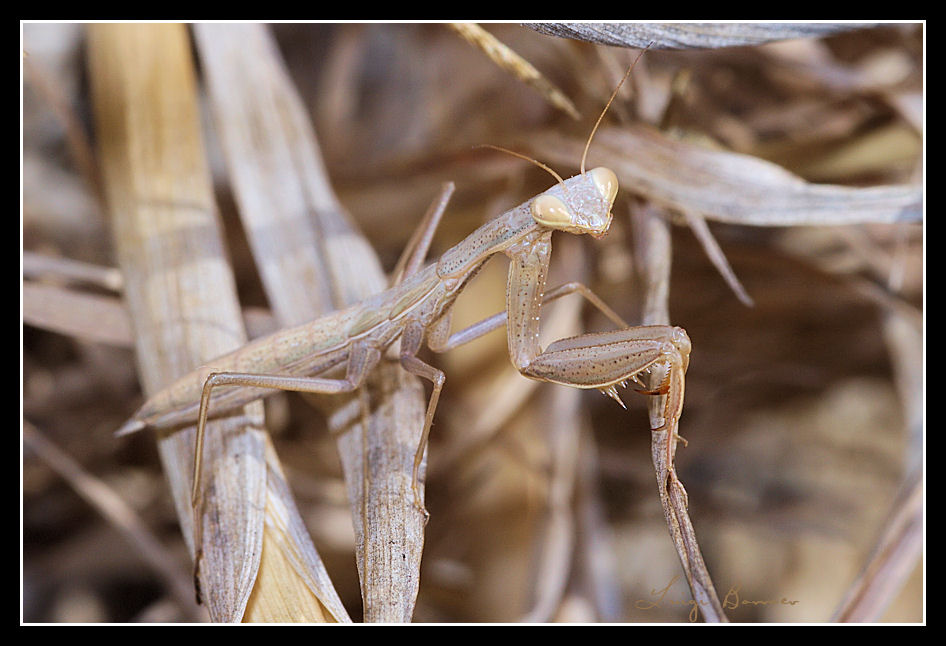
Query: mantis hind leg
[[361, 360], [410, 345]]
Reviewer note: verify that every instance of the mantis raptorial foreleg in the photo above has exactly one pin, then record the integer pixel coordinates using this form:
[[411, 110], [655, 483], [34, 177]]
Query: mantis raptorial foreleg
[[605, 360], [602, 360]]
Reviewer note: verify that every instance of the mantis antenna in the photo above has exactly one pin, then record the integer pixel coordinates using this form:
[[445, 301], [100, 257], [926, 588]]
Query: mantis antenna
[[613, 94], [528, 159]]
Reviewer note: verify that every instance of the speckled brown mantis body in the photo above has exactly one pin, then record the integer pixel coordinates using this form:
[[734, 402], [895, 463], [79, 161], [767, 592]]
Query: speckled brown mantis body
[[418, 308]]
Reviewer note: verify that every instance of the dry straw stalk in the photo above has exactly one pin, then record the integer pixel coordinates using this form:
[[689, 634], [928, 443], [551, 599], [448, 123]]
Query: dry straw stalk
[[181, 294]]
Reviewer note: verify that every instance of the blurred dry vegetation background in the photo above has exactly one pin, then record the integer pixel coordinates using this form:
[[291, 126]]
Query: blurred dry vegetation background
[[804, 411]]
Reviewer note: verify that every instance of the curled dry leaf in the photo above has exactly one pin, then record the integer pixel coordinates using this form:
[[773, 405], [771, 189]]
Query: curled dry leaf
[[687, 35], [732, 187]]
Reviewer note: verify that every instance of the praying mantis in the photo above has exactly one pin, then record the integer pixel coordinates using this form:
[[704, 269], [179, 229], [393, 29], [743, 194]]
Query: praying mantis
[[417, 308]]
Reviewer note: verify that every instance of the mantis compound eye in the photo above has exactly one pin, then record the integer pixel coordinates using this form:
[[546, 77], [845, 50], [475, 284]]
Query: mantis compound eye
[[606, 182], [552, 212]]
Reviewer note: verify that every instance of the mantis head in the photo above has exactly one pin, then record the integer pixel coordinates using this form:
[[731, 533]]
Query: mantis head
[[585, 201], [584, 205]]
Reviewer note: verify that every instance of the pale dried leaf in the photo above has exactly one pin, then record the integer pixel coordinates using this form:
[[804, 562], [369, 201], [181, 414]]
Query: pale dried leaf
[[717, 257], [305, 243], [121, 515], [652, 241], [732, 187], [103, 319], [688, 35], [163, 213], [895, 555], [254, 120], [37, 266], [512, 62]]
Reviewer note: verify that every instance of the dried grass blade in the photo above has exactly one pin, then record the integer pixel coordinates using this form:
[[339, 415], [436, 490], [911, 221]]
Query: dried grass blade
[[37, 266], [102, 319], [288, 207], [79, 146], [111, 506], [292, 559], [896, 553], [250, 115], [596, 557], [899, 547], [555, 540], [179, 287], [563, 421], [689, 35], [905, 335], [652, 253], [732, 187], [515, 64], [713, 251]]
